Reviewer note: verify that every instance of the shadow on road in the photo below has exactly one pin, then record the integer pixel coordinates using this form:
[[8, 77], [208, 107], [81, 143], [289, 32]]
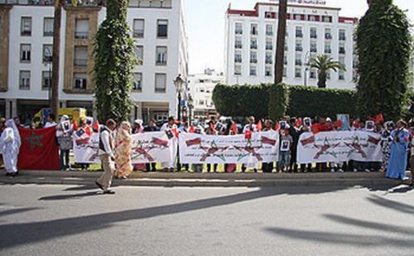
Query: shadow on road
[[11, 234]]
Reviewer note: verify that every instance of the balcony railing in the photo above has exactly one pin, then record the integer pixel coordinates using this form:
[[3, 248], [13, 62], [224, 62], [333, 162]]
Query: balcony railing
[[81, 62], [81, 35]]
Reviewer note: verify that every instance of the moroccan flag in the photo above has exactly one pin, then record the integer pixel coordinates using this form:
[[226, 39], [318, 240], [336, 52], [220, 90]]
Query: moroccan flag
[[39, 150], [192, 130]]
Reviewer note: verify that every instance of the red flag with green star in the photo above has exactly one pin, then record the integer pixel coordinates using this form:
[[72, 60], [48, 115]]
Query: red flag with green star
[[39, 150]]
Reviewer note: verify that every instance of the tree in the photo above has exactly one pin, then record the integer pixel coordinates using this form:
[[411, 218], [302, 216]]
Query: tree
[[114, 64], [57, 21], [280, 41], [383, 46], [323, 63]]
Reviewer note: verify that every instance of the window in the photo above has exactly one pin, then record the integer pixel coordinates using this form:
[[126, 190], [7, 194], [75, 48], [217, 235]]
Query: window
[[238, 43], [137, 85], [46, 80], [139, 53], [48, 27], [327, 48], [313, 46], [326, 19], [270, 15], [202, 89], [313, 18], [298, 59], [82, 29], [161, 55], [201, 102], [299, 32], [238, 57], [342, 35], [341, 75], [26, 26], [253, 43], [162, 28], [285, 61], [284, 72], [24, 78], [341, 60], [79, 81], [138, 29], [313, 33], [297, 17], [312, 73], [268, 71], [253, 29], [239, 29], [252, 70], [25, 52], [269, 30], [298, 72], [160, 82], [253, 57], [328, 34], [237, 70], [298, 47], [341, 48], [269, 43], [268, 58], [47, 53], [81, 56]]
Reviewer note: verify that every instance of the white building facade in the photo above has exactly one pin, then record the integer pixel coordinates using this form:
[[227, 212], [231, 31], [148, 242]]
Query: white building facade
[[157, 27], [311, 30], [200, 87]]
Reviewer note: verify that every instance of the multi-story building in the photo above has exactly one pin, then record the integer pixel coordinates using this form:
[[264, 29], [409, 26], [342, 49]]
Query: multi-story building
[[201, 88], [26, 27], [311, 30]]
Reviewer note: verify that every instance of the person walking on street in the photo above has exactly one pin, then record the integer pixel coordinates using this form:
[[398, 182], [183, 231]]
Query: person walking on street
[[106, 146]]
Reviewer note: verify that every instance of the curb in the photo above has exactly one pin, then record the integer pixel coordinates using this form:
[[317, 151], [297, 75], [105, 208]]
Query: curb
[[205, 179]]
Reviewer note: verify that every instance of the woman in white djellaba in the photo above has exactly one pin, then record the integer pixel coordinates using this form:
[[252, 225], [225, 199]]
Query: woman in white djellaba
[[10, 144]]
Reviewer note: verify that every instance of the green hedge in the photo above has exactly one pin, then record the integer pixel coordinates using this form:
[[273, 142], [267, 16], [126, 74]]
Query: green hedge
[[274, 101]]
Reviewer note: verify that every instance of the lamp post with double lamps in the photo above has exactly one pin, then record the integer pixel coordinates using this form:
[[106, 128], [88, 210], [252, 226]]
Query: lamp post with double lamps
[[178, 82]]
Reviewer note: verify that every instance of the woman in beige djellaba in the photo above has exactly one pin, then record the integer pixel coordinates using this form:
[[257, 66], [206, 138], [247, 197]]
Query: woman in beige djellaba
[[123, 146]]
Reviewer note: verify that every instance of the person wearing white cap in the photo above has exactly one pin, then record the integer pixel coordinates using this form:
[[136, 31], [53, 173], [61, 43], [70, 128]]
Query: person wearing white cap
[[138, 127]]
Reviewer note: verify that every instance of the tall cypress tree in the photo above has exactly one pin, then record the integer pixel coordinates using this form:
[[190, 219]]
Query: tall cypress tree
[[114, 63], [383, 47]]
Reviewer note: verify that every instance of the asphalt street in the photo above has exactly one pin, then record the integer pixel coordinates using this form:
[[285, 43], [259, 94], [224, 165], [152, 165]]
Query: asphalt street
[[328, 220]]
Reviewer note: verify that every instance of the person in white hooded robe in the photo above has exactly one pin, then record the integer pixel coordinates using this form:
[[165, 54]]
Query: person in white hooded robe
[[10, 144]]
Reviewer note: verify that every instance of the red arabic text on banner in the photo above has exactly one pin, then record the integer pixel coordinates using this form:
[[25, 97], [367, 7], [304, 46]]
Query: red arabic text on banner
[[39, 150]]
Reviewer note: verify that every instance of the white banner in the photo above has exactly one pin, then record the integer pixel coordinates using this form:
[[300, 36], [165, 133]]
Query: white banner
[[197, 148], [146, 147], [339, 146]]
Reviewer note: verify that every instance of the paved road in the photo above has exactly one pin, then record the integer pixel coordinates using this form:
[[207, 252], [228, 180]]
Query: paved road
[[76, 220]]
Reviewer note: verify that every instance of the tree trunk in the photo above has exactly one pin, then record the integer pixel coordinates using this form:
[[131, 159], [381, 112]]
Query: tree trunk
[[280, 42], [54, 101], [322, 79]]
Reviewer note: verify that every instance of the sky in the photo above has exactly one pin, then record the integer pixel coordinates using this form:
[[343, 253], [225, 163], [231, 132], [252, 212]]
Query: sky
[[205, 26]]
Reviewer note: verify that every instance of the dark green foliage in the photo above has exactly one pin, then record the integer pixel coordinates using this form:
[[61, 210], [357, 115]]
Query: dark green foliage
[[278, 101], [275, 101], [241, 100], [383, 46], [311, 102], [114, 63]]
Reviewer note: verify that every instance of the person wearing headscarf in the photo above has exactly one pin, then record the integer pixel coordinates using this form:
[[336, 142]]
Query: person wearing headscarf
[[399, 146], [10, 144], [138, 128], [123, 146], [386, 142], [64, 138]]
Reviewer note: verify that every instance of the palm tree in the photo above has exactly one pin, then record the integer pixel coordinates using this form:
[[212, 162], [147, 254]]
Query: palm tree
[[324, 63], [280, 42]]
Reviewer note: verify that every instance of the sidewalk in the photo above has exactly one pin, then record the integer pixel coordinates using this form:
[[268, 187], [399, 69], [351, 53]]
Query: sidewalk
[[205, 179]]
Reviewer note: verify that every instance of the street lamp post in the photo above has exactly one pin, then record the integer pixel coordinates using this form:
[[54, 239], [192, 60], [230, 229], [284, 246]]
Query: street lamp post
[[178, 82], [190, 107]]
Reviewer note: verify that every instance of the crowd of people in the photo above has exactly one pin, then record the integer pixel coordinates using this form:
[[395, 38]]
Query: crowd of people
[[115, 145]]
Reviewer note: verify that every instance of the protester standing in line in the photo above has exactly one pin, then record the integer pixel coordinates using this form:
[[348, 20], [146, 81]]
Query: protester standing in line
[[123, 146], [169, 128], [286, 142], [268, 167], [294, 132], [50, 121], [138, 128], [251, 127], [398, 159], [151, 127], [211, 130], [182, 128], [231, 129], [305, 167], [10, 144], [64, 133], [198, 167], [106, 146], [88, 130], [2, 127], [412, 156]]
